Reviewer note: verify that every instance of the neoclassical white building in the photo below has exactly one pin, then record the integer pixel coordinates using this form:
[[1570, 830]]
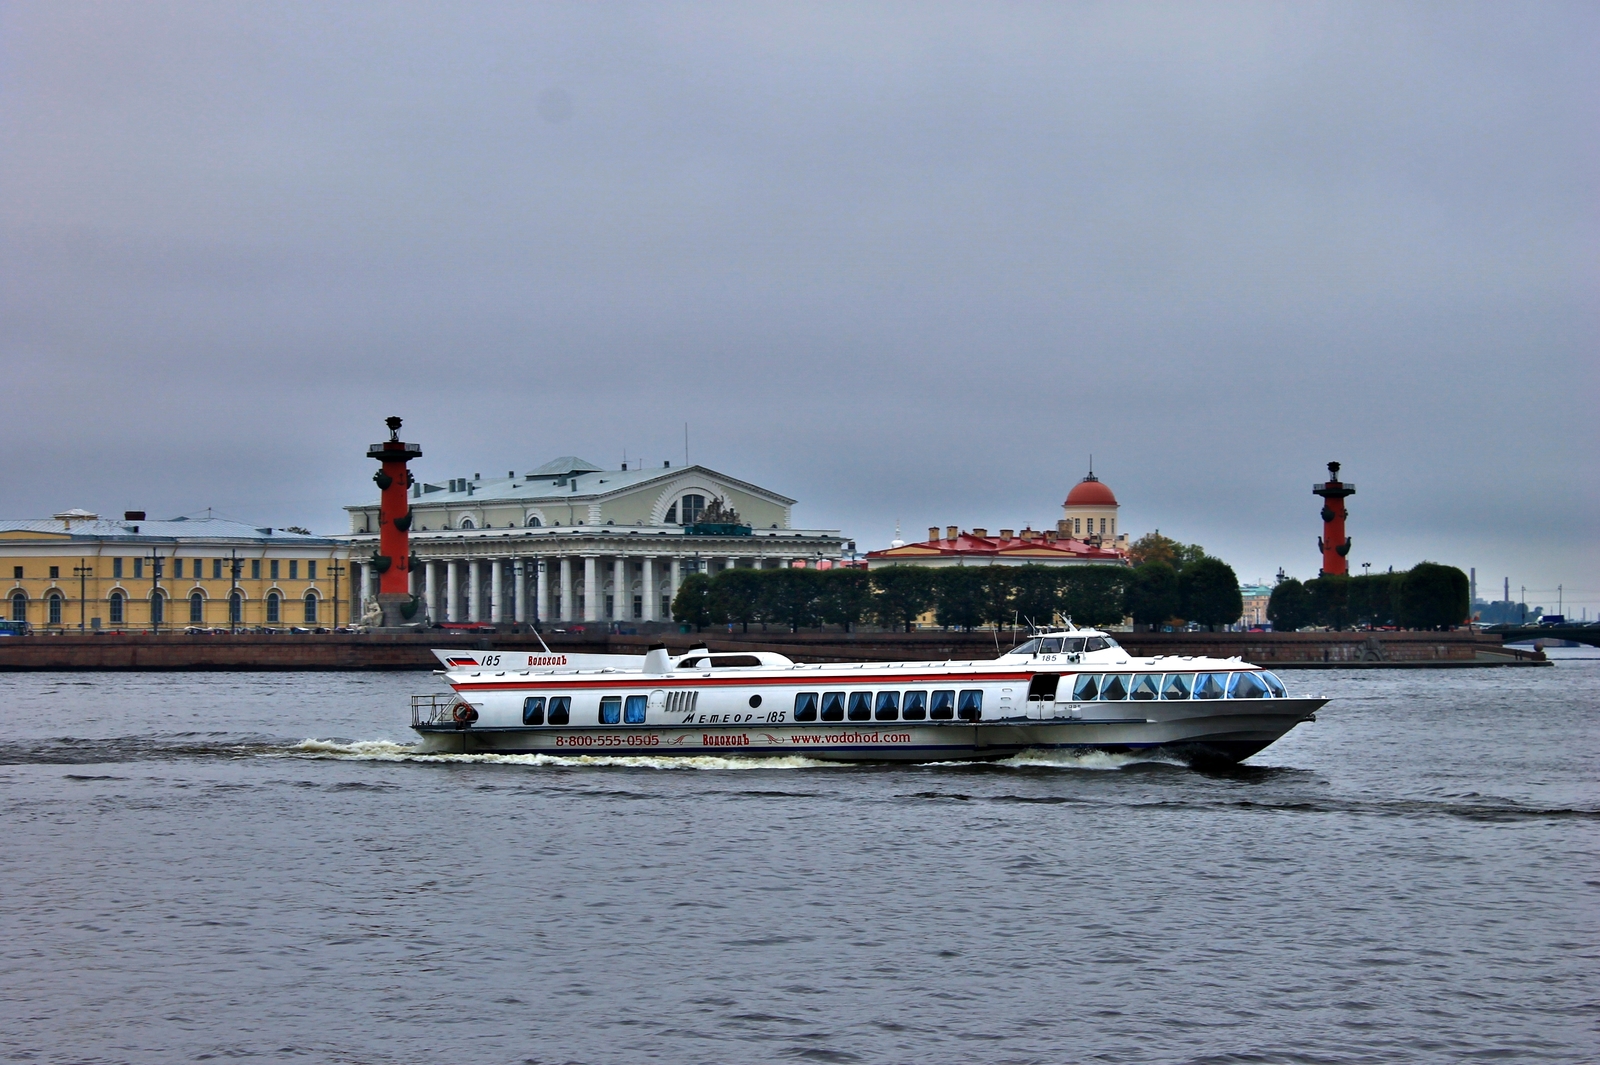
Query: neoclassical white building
[[571, 542]]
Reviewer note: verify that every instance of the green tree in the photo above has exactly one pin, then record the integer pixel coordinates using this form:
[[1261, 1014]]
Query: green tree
[[739, 593], [1433, 596], [696, 604], [959, 594], [1153, 547], [1036, 593], [1152, 596], [995, 592], [1210, 591], [1330, 600], [1375, 599], [846, 596], [1095, 595], [901, 594], [1290, 606], [793, 596]]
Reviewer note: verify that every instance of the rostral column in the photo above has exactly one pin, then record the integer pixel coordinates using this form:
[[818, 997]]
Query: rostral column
[[1333, 543], [393, 560]]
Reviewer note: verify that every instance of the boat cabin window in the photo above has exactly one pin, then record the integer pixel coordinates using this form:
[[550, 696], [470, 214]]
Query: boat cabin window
[[833, 706], [611, 710], [1115, 686], [915, 707], [1076, 643], [1178, 686], [533, 710], [1086, 687], [633, 710], [970, 705], [719, 661], [1043, 686], [1097, 643], [1247, 686], [860, 706], [1051, 646], [560, 710], [1274, 685], [805, 706], [888, 708], [1146, 686], [943, 707], [1028, 648], [1209, 685]]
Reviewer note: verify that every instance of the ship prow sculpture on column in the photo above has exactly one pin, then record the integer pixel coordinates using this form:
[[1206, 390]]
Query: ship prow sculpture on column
[[397, 609]]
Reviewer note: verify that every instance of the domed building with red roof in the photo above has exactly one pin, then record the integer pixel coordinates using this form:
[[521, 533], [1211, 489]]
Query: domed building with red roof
[[1086, 533]]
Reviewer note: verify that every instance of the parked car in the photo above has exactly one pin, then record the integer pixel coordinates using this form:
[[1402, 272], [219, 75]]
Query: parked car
[[464, 626]]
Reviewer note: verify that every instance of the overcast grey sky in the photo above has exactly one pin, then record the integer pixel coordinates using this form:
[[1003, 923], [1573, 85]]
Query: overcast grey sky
[[902, 262]]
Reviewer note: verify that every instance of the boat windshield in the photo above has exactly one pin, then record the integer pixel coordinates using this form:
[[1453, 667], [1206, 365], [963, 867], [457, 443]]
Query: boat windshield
[[1028, 648]]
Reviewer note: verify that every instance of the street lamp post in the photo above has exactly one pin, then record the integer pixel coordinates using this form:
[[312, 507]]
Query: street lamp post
[[235, 610], [337, 571], [83, 573], [156, 614]]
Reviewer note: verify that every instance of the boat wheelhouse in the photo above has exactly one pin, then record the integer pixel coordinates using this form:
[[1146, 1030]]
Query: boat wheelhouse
[[1064, 689]]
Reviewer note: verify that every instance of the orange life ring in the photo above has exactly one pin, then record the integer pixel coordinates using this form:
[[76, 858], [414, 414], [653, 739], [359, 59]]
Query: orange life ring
[[464, 714]]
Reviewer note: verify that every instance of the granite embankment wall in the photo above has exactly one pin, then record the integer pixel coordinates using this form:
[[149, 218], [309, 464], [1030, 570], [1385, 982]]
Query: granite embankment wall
[[341, 651]]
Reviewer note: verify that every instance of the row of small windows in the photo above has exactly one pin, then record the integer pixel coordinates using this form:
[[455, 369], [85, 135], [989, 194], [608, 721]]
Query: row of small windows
[[1078, 523], [1054, 645], [196, 568], [117, 607], [939, 705], [1089, 687]]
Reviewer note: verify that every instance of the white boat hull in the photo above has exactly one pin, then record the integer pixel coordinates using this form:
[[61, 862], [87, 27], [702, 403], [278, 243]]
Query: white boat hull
[[1224, 731]]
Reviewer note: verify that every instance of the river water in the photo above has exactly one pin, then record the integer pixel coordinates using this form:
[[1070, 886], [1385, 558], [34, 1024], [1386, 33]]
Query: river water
[[226, 866]]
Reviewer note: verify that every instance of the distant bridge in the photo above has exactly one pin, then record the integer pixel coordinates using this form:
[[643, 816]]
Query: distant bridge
[[1589, 634]]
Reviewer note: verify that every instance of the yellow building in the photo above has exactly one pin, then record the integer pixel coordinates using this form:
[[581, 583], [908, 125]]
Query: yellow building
[[77, 570]]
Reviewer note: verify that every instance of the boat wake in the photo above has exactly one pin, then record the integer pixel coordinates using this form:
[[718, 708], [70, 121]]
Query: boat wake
[[1089, 759], [389, 751]]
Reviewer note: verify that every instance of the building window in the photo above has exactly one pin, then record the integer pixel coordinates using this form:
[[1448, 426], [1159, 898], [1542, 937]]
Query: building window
[[294, 569], [16, 571], [158, 611], [177, 568], [311, 608], [116, 569], [138, 567], [115, 605], [466, 523], [272, 608], [1102, 526], [535, 523], [638, 607], [311, 570], [672, 514], [197, 609], [235, 608], [693, 506], [19, 606], [55, 572], [216, 569], [55, 610], [274, 569], [255, 569]]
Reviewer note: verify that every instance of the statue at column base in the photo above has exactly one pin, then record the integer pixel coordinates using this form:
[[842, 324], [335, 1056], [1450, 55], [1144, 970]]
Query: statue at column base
[[397, 612]]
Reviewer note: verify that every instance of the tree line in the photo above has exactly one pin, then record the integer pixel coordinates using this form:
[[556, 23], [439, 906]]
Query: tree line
[[1199, 588], [1427, 596]]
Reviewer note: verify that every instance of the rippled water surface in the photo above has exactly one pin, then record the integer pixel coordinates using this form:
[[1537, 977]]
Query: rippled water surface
[[203, 866]]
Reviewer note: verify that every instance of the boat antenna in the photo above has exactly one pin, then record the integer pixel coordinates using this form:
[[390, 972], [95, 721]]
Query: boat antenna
[[546, 646]]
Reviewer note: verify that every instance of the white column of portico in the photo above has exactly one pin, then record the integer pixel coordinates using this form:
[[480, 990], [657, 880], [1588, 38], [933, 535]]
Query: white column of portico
[[541, 597], [519, 601], [452, 591], [566, 589], [732, 563], [622, 596], [430, 588], [649, 589], [675, 576], [496, 596], [369, 584], [591, 588], [474, 592]]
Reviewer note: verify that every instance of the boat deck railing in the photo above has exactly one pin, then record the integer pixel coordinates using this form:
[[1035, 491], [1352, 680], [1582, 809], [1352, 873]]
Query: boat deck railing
[[434, 709]]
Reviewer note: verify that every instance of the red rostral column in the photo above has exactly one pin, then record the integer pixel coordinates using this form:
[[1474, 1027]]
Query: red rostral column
[[393, 560], [1333, 543]]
